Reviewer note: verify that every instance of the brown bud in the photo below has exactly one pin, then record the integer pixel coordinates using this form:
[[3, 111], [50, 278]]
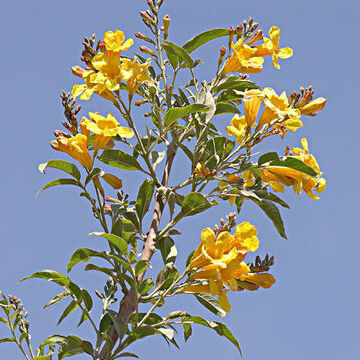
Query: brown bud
[[77, 71], [254, 27], [102, 45], [231, 33], [110, 199], [256, 36], [89, 49], [146, 17], [250, 20], [69, 127], [222, 50], [58, 133], [143, 37], [146, 50]]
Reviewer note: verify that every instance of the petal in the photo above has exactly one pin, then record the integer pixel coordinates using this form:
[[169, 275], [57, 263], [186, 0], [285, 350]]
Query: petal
[[208, 237], [125, 132], [275, 61], [274, 34], [263, 280], [285, 53], [224, 302]]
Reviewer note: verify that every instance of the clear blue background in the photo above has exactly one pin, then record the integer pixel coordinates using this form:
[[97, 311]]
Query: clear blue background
[[313, 310]]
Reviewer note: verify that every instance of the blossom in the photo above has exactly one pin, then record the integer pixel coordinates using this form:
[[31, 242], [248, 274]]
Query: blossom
[[279, 107], [271, 47], [279, 176], [243, 59], [219, 260], [104, 74], [76, 147], [237, 128], [114, 41], [104, 128], [134, 73], [313, 106], [252, 101]]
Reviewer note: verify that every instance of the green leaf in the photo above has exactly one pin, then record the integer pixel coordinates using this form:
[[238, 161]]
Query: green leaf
[[175, 113], [63, 165], [171, 54], [211, 304], [119, 160], [145, 286], [157, 157], [68, 310], [203, 38], [265, 194], [50, 275], [273, 214], [270, 156], [164, 274], [117, 241], [182, 53], [168, 249], [295, 164], [59, 182], [215, 150], [234, 83], [118, 322], [187, 331], [144, 198], [81, 255], [127, 354], [73, 345], [194, 203], [7, 339], [87, 300], [224, 331], [56, 299], [141, 266], [106, 271], [93, 174], [226, 108]]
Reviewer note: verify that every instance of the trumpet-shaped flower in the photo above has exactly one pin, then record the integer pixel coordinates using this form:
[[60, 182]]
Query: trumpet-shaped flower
[[237, 128], [252, 101], [103, 128], [271, 47], [105, 73], [115, 41], [279, 176], [313, 107], [134, 73], [278, 107], [220, 261], [76, 147], [244, 59]]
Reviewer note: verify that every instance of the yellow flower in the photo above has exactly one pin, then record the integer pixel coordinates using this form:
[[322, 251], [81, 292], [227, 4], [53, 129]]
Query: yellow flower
[[243, 59], [252, 101], [134, 73], [201, 170], [278, 176], [76, 147], [278, 107], [114, 41], [271, 47], [104, 128], [237, 128], [105, 75], [313, 107], [219, 260]]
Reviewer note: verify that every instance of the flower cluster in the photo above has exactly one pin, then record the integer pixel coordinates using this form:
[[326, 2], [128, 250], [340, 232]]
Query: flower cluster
[[105, 71], [219, 264], [103, 128], [249, 59], [280, 108], [279, 176]]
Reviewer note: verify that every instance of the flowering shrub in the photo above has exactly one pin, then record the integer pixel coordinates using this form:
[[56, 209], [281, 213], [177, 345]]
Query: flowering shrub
[[221, 167]]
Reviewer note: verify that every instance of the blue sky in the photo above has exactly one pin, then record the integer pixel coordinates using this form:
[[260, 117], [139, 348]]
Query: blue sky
[[313, 310]]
